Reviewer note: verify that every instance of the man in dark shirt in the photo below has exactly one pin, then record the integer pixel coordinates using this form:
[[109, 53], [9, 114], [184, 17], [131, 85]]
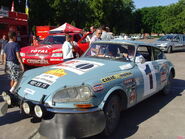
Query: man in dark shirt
[[13, 60], [3, 42]]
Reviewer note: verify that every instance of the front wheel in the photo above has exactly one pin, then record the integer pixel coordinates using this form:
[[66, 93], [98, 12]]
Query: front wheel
[[169, 49], [112, 114]]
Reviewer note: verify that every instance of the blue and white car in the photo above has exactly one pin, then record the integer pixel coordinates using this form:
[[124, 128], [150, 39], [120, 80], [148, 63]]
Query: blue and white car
[[84, 96]]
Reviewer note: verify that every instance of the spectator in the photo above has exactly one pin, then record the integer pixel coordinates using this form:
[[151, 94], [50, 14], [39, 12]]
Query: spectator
[[68, 48], [93, 30], [97, 36], [35, 41], [105, 35], [13, 60], [3, 42]]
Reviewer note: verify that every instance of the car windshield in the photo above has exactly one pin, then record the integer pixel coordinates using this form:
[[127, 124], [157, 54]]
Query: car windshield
[[57, 39], [119, 52], [166, 38]]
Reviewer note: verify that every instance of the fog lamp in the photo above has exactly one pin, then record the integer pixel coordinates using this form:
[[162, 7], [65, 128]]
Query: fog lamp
[[38, 111], [26, 108]]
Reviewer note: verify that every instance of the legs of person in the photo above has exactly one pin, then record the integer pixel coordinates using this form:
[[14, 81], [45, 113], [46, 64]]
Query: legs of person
[[15, 73]]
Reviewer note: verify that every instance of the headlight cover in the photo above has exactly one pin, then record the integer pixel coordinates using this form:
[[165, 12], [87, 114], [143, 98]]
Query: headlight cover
[[74, 94], [164, 44], [56, 55], [22, 54]]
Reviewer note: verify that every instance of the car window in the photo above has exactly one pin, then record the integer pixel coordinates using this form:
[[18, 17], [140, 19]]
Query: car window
[[58, 39], [86, 39], [145, 51], [121, 52], [158, 54], [176, 38], [77, 37], [184, 38]]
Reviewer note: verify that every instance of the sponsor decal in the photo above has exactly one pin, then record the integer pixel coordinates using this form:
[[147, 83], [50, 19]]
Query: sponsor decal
[[38, 84], [98, 87], [57, 72], [126, 66], [163, 76], [56, 59], [39, 51], [37, 61], [48, 78], [129, 82], [29, 91], [116, 76], [79, 66], [132, 96]]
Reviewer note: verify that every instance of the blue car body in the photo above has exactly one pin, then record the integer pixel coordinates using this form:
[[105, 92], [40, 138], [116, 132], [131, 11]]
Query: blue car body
[[102, 77]]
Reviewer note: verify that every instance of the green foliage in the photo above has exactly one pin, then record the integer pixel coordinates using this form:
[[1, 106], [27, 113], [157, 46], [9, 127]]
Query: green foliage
[[119, 15]]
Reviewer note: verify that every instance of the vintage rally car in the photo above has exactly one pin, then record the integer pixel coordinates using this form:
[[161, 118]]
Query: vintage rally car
[[49, 51], [171, 42], [84, 96]]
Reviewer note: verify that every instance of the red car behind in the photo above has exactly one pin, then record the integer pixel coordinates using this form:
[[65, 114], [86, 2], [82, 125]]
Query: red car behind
[[49, 51]]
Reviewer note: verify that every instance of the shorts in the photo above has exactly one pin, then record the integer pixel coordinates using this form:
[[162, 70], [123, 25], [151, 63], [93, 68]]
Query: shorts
[[13, 70]]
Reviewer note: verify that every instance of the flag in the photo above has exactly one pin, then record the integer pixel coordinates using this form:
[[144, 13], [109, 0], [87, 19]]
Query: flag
[[26, 8], [12, 8]]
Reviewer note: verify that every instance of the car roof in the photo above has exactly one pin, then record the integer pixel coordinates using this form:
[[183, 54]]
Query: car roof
[[136, 43], [71, 33]]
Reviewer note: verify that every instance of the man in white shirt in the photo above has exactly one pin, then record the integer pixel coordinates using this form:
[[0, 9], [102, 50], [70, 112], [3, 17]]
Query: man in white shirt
[[67, 49]]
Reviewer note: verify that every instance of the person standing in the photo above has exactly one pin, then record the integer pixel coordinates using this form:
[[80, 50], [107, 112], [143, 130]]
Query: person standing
[[97, 36], [3, 42], [68, 49], [12, 60]]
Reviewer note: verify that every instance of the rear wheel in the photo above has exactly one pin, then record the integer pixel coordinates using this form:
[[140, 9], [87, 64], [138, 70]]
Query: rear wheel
[[167, 89], [169, 49], [112, 114]]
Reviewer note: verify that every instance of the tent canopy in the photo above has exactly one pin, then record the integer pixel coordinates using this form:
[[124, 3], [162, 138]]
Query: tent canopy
[[65, 28]]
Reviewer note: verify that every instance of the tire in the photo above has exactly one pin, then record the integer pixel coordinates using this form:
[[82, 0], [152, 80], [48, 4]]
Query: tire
[[169, 49], [167, 89], [112, 114]]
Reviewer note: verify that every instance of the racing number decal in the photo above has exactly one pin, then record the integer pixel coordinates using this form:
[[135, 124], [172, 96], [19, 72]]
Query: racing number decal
[[148, 72], [149, 78]]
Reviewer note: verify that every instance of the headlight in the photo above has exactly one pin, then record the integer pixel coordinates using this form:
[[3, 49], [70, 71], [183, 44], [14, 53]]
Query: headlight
[[81, 93], [163, 44], [26, 108], [56, 55], [22, 54], [6, 98], [38, 111]]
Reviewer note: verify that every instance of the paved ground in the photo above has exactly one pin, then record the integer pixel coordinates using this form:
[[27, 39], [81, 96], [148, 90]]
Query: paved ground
[[158, 117]]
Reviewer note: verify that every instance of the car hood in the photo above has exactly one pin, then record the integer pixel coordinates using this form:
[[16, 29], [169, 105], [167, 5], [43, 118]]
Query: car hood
[[160, 42], [83, 71], [41, 49]]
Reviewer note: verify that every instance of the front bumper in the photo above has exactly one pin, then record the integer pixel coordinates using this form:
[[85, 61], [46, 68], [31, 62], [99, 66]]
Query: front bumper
[[73, 125], [64, 123]]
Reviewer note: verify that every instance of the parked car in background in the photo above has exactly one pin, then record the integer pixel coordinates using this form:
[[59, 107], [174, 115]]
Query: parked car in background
[[49, 51], [87, 94], [171, 42]]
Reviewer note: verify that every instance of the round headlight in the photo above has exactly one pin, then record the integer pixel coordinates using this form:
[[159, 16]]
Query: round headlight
[[26, 108], [38, 111], [6, 98]]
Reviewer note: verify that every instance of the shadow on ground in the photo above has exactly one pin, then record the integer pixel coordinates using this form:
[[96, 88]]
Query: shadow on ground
[[131, 118]]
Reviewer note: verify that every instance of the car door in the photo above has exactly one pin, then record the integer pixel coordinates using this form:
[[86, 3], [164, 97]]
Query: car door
[[148, 73], [183, 42], [177, 41], [160, 62], [83, 43]]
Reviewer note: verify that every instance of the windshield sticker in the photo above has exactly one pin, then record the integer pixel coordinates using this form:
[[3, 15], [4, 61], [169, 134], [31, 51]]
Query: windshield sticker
[[116, 76], [79, 66], [29, 91]]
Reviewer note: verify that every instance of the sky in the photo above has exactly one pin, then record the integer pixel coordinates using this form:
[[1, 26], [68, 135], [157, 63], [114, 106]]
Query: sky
[[150, 3]]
